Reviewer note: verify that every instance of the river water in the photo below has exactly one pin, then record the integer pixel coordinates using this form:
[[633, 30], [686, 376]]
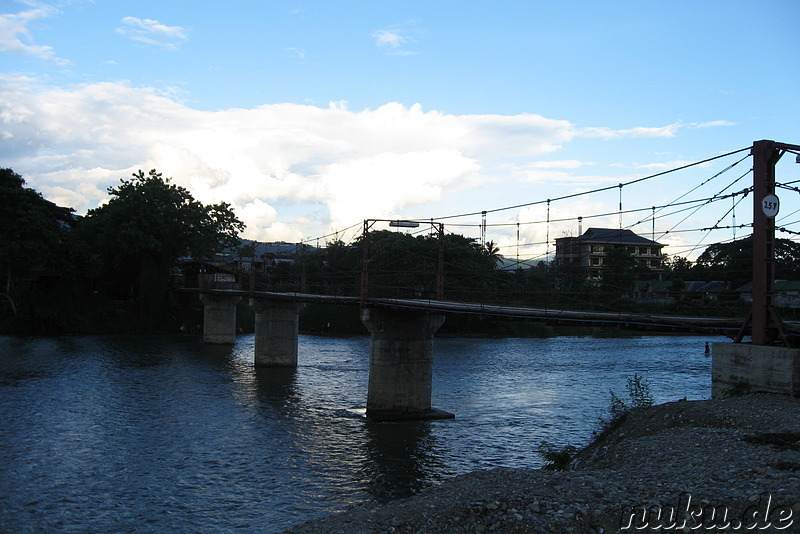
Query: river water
[[165, 434]]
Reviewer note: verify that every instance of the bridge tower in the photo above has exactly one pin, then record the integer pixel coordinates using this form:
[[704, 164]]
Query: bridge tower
[[769, 362]]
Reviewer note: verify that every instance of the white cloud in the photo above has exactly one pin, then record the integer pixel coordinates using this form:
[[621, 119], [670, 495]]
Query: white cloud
[[663, 165], [390, 181], [558, 164], [607, 133], [299, 53], [152, 32], [388, 38], [290, 170], [15, 35], [397, 38], [713, 124]]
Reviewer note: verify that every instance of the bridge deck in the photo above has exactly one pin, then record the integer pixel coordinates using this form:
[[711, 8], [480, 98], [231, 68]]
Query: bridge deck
[[716, 324]]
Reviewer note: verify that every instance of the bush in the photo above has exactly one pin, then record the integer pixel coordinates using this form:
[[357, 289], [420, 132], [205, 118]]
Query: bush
[[556, 459], [639, 396]]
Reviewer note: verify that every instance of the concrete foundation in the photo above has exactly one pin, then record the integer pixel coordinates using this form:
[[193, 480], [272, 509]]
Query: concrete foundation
[[742, 368], [276, 332], [401, 364], [219, 318]]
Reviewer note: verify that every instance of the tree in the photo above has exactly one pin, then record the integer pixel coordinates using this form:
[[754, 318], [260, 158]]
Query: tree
[[146, 226], [33, 234], [733, 262], [492, 251], [677, 267], [618, 271]]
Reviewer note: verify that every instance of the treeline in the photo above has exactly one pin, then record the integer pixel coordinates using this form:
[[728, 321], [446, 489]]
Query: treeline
[[112, 269], [407, 266], [109, 270]]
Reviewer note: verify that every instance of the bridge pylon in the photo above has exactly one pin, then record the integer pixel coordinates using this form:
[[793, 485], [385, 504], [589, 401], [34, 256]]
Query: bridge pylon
[[769, 363], [219, 318], [401, 364], [276, 325]]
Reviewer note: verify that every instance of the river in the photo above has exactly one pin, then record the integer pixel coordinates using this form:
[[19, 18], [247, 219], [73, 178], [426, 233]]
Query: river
[[165, 434]]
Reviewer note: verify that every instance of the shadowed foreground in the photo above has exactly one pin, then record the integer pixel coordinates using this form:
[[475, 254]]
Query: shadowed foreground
[[718, 465]]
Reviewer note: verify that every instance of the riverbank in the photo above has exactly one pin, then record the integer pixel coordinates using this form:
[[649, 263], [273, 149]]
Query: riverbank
[[739, 456]]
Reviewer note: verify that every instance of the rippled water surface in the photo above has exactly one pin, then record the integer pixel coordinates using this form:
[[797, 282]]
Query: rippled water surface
[[119, 434]]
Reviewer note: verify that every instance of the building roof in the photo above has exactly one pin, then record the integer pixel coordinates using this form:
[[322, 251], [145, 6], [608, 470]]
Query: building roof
[[780, 285], [279, 249], [614, 235], [654, 285]]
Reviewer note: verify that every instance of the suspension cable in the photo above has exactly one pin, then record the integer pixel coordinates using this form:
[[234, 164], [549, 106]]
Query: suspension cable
[[607, 188]]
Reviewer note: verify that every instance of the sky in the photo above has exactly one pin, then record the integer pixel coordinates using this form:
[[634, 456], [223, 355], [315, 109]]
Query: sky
[[309, 117]]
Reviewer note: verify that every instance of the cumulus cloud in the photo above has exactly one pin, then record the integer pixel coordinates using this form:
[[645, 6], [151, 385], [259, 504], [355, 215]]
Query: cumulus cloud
[[15, 35], [152, 32], [392, 181], [288, 169]]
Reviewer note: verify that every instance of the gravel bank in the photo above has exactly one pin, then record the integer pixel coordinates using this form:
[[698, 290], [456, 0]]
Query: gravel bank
[[739, 456]]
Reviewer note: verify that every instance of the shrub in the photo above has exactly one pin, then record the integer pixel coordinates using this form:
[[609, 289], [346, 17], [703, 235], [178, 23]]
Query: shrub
[[556, 459], [639, 396]]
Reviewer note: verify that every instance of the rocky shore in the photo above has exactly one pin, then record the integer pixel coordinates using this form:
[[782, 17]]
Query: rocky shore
[[725, 465]]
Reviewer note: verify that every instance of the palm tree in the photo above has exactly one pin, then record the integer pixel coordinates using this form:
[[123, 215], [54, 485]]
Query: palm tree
[[492, 252]]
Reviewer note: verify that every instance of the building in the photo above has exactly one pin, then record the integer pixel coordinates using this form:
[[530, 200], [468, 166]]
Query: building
[[785, 292], [589, 250]]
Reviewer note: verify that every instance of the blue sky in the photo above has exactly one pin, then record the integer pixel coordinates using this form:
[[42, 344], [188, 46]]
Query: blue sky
[[310, 116]]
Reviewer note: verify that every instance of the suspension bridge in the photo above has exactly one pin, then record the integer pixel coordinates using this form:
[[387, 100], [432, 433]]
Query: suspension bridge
[[402, 319]]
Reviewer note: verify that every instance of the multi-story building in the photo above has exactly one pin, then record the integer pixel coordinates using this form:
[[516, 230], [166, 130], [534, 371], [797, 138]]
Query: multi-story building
[[589, 250]]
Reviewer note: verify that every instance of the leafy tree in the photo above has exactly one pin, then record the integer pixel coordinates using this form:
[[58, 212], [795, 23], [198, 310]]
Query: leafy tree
[[403, 265], [618, 271], [146, 226], [733, 261], [34, 231], [677, 267]]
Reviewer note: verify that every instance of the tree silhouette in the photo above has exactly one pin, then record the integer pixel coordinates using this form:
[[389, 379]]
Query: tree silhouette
[[146, 226], [33, 234]]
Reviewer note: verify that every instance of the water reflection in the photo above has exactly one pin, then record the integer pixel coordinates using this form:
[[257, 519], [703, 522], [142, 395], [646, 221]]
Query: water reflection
[[276, 387], [159, 434], [399, 458]]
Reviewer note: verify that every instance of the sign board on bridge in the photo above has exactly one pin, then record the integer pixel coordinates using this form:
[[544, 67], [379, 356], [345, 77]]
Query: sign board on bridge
[[770, 205]]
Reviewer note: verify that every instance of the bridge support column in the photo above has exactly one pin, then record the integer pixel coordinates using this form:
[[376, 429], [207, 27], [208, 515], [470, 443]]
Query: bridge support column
[[276, 332], [219, 318], [401, 364], [743, 367]]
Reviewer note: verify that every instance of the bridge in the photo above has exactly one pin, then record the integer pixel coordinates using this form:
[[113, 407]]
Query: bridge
[[402, 329]]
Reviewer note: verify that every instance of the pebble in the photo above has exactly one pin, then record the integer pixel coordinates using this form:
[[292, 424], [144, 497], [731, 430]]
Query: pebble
[[658, 456]]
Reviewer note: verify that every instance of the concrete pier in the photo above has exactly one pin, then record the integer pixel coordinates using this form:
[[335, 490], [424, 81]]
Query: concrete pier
[[219, 318], [401, 364], [276, 332], [743, 367]]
